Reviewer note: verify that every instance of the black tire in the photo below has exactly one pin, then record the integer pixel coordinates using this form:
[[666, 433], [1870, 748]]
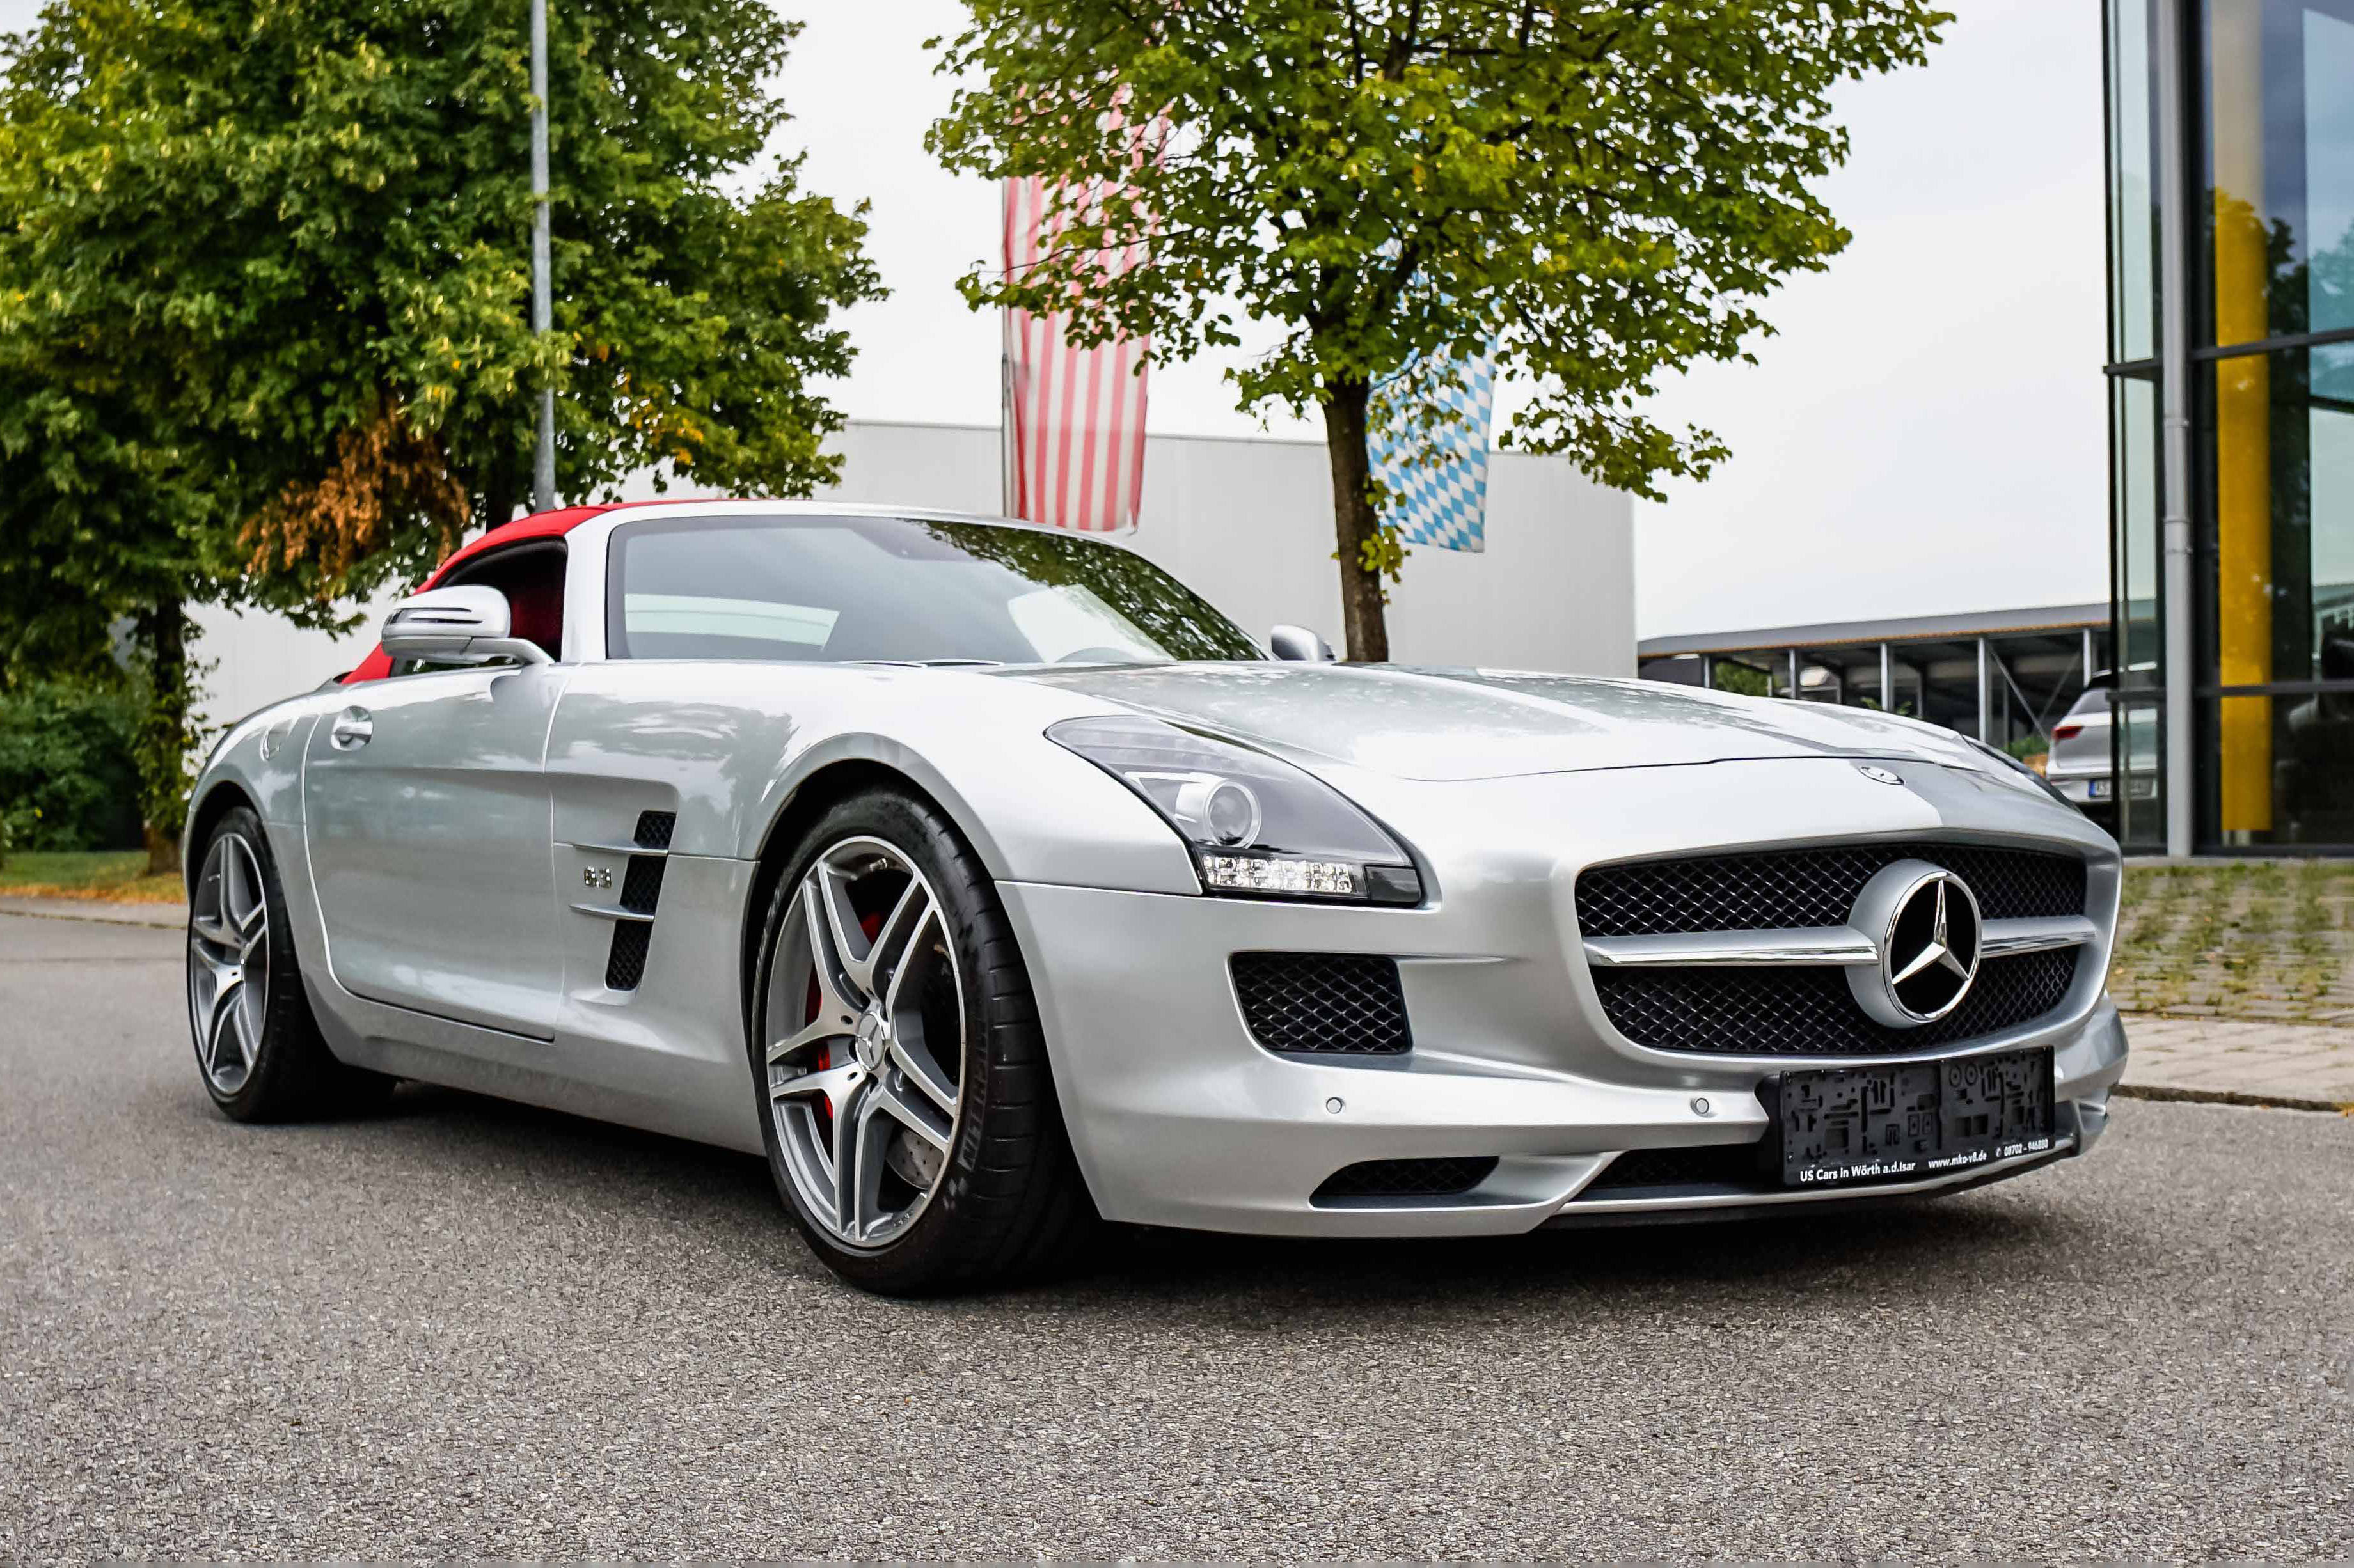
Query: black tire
[[1009, 1203], [285, 1073]]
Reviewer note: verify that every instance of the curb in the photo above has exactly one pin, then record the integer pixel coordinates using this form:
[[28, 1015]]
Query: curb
[[2228, 1097], [103, 915]]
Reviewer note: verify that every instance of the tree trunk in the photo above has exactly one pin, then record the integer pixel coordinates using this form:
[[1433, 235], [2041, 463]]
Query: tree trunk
[[501, 488], [162, 635], [1364, 625]]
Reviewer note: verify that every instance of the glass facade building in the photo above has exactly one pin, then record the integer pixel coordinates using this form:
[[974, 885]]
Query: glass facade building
[[2264, 93]]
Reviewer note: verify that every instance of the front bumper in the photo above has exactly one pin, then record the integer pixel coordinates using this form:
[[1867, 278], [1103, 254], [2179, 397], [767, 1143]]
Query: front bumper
[[1179, 1117]]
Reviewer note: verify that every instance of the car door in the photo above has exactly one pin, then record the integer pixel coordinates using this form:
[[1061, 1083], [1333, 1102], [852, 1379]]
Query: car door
[[427, 812]]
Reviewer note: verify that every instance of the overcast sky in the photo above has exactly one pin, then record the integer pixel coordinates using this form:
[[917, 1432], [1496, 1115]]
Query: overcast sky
[[1924, 435]]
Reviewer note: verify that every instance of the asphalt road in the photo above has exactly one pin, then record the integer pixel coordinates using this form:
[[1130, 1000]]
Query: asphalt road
[[464, 1327]]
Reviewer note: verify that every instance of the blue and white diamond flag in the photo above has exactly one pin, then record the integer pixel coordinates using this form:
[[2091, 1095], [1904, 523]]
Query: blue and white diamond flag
[[1435, 473]]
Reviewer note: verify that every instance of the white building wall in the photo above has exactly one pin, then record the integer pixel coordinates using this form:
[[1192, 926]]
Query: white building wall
[[1248, 524]]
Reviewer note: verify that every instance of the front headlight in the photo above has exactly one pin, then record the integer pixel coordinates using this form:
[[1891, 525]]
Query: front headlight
[[1257, 826]]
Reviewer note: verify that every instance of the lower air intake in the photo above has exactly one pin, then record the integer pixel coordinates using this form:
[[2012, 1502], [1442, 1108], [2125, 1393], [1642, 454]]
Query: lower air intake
[[1713, 1168], [1344, 1004], [1405, 1179]]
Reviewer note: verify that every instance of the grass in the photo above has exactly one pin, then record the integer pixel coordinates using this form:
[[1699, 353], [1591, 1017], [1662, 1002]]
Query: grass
[[2248, 939], [118, 875]]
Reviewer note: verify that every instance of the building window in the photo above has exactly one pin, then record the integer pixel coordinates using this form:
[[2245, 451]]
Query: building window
[[2275, 394]]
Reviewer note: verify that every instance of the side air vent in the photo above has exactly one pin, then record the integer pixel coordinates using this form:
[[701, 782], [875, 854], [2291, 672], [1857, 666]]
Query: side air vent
[[1403, 1179], [1347, 1004], [625, 963], [641, 885]]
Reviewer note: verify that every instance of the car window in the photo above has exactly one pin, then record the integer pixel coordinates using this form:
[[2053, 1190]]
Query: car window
[[2093, 700], [842, 589]]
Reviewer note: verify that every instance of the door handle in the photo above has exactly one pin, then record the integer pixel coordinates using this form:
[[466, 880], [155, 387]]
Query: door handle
[[352, 728]]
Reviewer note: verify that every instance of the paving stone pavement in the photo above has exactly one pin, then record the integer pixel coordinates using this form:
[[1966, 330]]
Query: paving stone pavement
[[2251, 1061]]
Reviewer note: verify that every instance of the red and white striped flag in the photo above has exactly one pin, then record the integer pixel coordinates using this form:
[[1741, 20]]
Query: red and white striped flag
[[1075, 417]]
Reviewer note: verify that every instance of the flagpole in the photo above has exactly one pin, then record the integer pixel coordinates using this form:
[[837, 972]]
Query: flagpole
[[1005, 411], [543, 313]]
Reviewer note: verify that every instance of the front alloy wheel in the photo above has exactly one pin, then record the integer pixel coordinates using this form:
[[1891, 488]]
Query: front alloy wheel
[[866, 1031], [906, 1103]]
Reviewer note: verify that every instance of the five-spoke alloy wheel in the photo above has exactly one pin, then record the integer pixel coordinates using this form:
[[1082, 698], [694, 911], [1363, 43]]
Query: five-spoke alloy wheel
[[228, 963], [907, 1104], [257, 1045], [866, 1056]]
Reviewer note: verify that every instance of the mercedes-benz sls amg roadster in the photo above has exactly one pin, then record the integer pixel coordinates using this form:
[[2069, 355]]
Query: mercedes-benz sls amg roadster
[[991, 885]]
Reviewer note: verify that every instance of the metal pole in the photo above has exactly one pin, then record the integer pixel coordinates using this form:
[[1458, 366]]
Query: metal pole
[[1005, 414], [1887, 673], [2088, 657], [2174, 370], [1986, 696], [543, 309], [1708, 672], [1794, 675]]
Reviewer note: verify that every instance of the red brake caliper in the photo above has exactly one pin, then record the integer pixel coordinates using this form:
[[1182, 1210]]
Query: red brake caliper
[[870, 925]]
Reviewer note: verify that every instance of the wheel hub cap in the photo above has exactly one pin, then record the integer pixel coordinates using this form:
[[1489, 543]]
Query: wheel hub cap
[[874, 1039]]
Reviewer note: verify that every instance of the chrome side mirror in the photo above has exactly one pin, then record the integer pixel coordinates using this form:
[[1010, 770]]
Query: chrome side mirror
[[457, 626], [1298, 644]]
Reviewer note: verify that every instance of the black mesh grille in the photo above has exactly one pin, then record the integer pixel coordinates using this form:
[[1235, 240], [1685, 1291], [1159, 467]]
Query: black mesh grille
[[1405, 1179], [1810, 1012], [1777, 889], [626, 965], [1332, 1003], [1718, 1165], [642, 883]]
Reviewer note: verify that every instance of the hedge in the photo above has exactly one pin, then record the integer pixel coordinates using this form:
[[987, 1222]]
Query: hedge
[[67, 780]]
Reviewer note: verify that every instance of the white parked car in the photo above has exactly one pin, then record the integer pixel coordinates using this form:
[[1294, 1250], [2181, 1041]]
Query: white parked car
[[2082, 762]]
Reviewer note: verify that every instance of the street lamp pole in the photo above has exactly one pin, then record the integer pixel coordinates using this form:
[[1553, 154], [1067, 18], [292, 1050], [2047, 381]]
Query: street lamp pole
[[543, 309]]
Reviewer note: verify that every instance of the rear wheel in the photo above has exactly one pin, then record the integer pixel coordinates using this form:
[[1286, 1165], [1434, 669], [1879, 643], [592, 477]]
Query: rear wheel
[[908, 1110], [258, 1047]]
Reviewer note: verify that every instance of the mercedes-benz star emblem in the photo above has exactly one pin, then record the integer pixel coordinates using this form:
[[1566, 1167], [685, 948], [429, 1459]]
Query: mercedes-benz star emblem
[[1924, 922], [1877, 774]]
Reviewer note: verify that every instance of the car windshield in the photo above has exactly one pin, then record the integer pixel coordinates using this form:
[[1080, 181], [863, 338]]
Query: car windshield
[[837, 589]]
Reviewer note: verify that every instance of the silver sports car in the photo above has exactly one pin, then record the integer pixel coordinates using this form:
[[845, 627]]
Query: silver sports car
[[992, 885]]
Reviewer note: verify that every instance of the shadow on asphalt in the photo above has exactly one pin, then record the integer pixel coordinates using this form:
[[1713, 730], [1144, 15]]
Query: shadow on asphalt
[[1950, 1247]]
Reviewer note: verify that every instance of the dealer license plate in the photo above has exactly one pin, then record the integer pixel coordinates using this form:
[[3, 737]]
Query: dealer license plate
[[1913, 1119]]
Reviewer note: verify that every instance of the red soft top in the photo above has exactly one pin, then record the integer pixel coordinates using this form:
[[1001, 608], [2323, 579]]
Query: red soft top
[[539, 525]]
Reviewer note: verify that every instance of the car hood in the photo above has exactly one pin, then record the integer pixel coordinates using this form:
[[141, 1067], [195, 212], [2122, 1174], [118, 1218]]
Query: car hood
[[1461, 724]]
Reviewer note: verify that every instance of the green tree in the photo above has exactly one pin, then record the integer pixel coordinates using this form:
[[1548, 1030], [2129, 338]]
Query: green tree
[[270, 259], [1605, 188]]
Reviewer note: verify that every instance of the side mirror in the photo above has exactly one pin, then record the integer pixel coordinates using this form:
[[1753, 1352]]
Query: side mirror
[[457, 626], [1298, 644]]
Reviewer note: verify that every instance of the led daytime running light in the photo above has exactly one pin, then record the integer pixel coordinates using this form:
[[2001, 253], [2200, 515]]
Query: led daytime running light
[[1282, 874]]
